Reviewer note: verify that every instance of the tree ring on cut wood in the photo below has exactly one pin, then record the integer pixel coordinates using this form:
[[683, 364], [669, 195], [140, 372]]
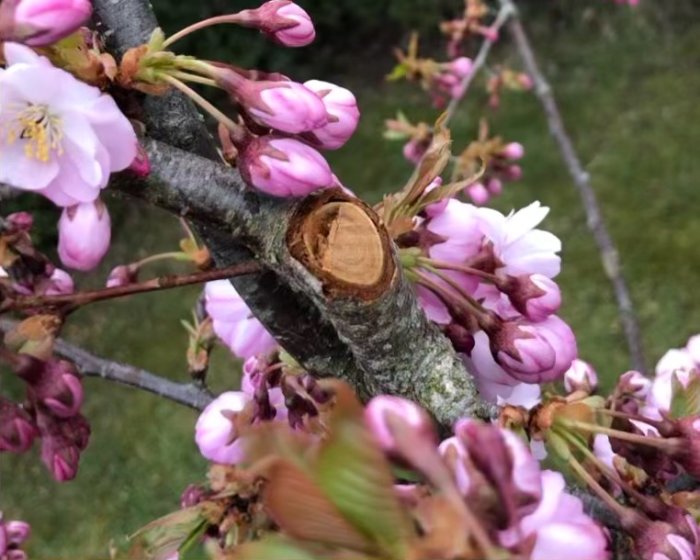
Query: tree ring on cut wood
[[342, 242]]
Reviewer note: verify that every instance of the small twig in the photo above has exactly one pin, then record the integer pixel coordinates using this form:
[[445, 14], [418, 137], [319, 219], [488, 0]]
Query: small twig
[[190, 394], [69, 302], [506, 11], [594, 217]]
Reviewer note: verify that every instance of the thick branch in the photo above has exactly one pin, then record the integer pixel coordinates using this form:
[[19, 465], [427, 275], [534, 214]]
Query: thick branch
[[581, 179]]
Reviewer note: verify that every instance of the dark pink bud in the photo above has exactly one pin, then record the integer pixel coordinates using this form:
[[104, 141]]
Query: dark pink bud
[[61, 444], [60, 283], [495, 186], [535, 296], [386, 415], [282, 105], [284, 166], [192, 495], [461, 67], [414, 151], [141, 166], [283, 21], [513, 173], [17, 428], [462, 340], [57, 386]]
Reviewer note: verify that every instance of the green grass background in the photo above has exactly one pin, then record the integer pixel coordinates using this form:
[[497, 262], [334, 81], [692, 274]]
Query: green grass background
[[628, 91]]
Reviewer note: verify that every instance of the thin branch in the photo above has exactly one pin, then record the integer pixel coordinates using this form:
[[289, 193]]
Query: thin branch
[[190, 394], [69, 302], [506, 11], [582, 182]]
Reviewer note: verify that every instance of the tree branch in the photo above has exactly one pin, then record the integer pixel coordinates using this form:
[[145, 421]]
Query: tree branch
[[506, 11], [374, 336], [581, 179], [69, 302], [190, 394]]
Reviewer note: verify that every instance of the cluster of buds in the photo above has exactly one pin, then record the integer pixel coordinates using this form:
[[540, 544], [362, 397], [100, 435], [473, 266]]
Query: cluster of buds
[[282, 123], [491, 472], [633, 449], [443, 80], [471, 24], [272, 389], [499, 160], [487, 280], [51, 412], [506, 79], [24, 270], [13, 533]]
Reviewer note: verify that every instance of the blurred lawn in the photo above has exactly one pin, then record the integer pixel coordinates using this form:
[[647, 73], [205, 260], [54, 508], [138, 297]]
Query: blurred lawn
[[629, 97]]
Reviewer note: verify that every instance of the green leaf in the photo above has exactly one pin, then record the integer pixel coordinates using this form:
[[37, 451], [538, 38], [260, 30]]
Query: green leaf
[[399, 71], [686, 400], [274, 548], [394, 135], [357, 479]]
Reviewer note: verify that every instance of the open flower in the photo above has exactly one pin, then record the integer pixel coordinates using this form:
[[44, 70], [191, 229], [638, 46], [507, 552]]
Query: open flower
[[58, 136]]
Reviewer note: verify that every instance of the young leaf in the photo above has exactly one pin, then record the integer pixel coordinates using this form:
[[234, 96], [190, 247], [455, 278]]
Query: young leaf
[[686, 400], [356, 477], [273, 548], [302, 511]]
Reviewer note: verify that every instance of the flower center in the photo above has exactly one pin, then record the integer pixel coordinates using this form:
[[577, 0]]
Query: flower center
[[40, 130]]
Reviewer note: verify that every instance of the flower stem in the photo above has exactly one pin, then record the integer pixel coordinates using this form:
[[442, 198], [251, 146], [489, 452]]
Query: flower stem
[[595, 486], [228, 18], [175, 255], [458, 267], [187, 77], [201, 101], [651, 441]]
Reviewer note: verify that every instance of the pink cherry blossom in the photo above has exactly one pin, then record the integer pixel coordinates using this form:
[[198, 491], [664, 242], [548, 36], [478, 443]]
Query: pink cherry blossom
[[518, 245], [383, 411], [580, 376], [215, 433], [233, 321], [343, 114], [58, 136], [84, 235]]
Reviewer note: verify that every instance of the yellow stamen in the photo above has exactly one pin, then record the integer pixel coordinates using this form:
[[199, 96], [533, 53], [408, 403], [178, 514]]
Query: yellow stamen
[[41, 131]]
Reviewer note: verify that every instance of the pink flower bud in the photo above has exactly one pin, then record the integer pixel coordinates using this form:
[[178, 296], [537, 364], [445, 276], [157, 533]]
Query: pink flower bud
[[61, 443], [535, 296], [478, 193], [457, 458], [39, 23], [215, 431], [521, 350], [17, 532], [283, 105], [461, 67], [283, 21], [84, 234], [514, 150], [513, 173], [494, 186], [635, 384], [17, 429], [580, 377], [122, 275], [436, 207], [284, 167], [386, 414], [413, 151], [60, 284], [343, 114]]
